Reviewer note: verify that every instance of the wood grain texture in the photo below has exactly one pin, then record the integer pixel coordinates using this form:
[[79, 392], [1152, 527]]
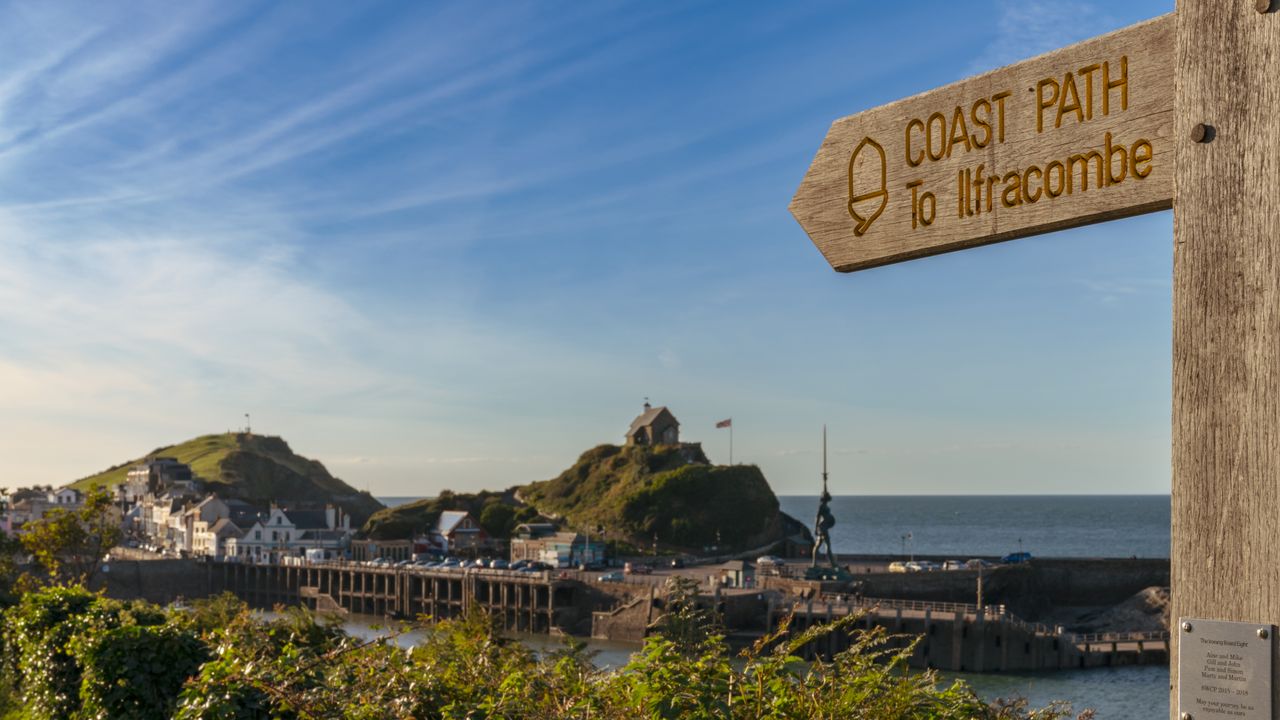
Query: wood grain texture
[[1031, 137], [1226, 317]]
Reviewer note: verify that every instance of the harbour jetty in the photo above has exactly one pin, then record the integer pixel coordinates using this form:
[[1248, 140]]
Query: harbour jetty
[[971, 638], [954, 635]]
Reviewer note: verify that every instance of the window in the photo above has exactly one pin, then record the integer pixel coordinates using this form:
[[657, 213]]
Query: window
[[257, 534]]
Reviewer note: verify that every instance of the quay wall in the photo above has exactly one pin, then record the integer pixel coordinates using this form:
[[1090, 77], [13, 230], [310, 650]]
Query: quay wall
[[969, 639], [1030, 589], [993, 639], [157, 581]]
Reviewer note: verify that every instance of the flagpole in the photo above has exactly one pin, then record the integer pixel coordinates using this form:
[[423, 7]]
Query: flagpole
[[728, 423]]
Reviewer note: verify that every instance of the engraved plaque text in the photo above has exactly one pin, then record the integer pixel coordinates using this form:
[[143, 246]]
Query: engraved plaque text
[[1224, 670]]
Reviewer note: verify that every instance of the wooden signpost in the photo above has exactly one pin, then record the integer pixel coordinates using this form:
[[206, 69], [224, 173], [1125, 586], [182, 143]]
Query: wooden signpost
[[1076, 136], [1182, 111]]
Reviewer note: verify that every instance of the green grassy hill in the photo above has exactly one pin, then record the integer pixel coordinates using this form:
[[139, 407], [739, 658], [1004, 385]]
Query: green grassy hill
[[258, 468], [636, 491]]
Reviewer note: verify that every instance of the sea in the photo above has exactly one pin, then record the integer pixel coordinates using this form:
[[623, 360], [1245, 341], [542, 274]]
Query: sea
[[1092, 526], [1076, 526]]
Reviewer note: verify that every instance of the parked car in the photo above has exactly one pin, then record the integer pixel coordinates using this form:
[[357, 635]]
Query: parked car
[[976, 563], [615, 576], [677, 563], [952, 565], [1015, 558], [518, 565], [897, 566], [770, 560], [499, 564], [637, 569]]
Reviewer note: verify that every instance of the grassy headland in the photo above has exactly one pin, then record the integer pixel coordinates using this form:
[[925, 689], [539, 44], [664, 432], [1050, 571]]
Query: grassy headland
[[257, 468], [673, 491]]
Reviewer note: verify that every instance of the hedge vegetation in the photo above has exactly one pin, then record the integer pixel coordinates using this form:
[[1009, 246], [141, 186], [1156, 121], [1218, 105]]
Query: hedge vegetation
[[71, 655]]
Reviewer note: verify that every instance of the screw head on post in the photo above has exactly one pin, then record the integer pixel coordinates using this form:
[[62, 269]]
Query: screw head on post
[[1185, 716], [1186, 627], [1263, 6], [1263, 633], [1201, 133]]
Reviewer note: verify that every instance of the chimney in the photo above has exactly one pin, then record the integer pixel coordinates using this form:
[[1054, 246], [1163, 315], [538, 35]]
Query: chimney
[[331, 516]]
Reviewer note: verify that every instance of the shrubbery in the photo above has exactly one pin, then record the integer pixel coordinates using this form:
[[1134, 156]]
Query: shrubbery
[[72, 655], [136, 671]]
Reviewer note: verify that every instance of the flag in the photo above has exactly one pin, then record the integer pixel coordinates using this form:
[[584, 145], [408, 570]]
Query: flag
[[725, 423]]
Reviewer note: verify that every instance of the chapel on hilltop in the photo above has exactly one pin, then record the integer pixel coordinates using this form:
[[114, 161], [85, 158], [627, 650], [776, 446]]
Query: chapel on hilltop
[[654, 426]]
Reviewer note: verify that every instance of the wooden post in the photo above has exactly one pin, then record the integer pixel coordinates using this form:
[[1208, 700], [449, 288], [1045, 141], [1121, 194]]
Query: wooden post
[[1226, 316]]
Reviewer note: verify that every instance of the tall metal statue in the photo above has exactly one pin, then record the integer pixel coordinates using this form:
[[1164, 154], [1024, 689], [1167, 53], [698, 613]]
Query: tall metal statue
[[823, 523]]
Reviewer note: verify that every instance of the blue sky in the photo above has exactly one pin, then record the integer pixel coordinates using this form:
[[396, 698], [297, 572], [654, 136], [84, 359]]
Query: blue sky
[[453, 245]]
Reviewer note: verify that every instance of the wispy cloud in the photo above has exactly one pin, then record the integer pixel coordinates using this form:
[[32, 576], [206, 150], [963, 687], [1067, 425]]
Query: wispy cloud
[[1025, 28], [408, 229]]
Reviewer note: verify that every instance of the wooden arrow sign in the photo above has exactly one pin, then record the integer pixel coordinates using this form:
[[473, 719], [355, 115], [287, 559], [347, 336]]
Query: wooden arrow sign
[[1076, 136]]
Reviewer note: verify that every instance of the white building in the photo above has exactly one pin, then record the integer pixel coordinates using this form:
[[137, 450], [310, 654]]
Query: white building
[[212, 540], [66, 498], [206, 512], [291, 533]]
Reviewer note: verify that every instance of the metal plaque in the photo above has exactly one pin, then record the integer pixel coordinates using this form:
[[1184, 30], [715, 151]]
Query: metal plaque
[[1224, 670]]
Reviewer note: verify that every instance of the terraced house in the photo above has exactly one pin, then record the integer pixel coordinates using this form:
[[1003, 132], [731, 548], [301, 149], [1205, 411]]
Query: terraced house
[[288, 533]]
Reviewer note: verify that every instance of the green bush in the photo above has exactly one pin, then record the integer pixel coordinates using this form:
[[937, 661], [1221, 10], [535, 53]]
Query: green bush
[[47, 634], [48, 674], [82, 657], [136, 672], [265, 671]]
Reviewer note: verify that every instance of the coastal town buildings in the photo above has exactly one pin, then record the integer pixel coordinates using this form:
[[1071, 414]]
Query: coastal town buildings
[[455, 532], [210, 540], [27, 504], [541, 542], [66, 498], [155, 475], [363, 550], [315, 534], [163, 507]]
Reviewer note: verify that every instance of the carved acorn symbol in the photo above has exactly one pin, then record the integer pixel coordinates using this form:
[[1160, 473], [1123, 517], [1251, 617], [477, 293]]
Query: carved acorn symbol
[[868, 184]]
